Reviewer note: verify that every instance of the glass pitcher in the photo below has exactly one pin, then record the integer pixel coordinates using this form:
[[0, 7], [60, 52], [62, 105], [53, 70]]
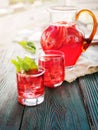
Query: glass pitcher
[[64, 34]]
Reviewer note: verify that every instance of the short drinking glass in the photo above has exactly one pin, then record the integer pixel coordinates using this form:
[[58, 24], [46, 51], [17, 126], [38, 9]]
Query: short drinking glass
[[53, 63], [30, 87]]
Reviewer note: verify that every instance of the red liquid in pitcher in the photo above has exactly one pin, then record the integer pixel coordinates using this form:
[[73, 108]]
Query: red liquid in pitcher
[[72, 46], [64, 37]]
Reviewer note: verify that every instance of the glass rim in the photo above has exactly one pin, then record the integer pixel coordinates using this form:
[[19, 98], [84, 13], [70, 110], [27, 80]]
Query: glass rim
[[62, 8], [33, 75], [54, 55], [48, 52]]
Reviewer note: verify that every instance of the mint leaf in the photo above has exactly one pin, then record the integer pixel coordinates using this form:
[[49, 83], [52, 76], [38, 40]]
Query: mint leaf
[[24, 64], [28, 45], [31, 63]]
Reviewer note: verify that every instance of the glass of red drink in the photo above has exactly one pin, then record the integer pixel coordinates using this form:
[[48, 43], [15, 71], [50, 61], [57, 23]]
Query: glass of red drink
[[53, 62], [30, 87]]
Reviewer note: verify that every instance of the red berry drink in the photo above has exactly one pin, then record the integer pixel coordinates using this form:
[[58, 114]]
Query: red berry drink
[[30, 87], [73, 44], [53, 62], [64, 37]]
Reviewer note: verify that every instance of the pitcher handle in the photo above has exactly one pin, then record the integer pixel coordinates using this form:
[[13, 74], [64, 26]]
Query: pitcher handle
[[88, 40]]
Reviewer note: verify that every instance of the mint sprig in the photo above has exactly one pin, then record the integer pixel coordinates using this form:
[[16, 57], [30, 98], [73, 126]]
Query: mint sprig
[[28, 46], [24, 64]]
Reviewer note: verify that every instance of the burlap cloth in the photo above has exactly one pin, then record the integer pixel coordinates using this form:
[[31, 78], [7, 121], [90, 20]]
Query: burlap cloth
[[86, 64]]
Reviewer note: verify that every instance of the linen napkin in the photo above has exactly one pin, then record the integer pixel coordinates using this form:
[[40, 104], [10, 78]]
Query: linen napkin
[[86, 64]]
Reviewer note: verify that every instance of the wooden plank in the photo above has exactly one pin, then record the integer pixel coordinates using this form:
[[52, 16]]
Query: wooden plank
[[89, 89], [10, 111], [62, 110]]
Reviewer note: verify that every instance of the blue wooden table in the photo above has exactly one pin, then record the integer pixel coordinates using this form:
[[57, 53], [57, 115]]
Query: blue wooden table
[[72, 106]]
